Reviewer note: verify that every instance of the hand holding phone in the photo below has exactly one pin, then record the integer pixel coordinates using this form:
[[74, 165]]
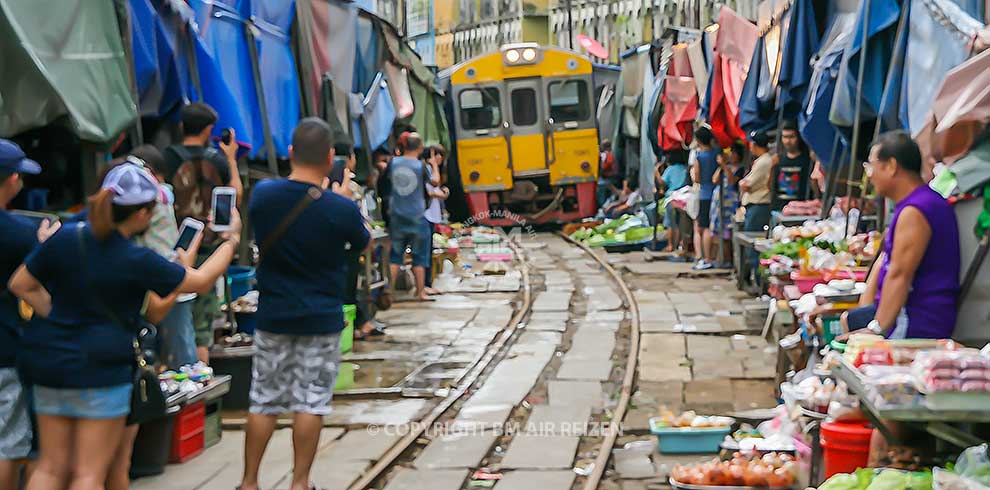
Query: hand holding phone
[[228, 144], [223, 206], [190, 236]]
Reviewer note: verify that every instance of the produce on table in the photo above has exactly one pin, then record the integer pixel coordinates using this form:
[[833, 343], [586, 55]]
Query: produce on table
[[884, 479], [625, 229], [692, 419], [773, 470]]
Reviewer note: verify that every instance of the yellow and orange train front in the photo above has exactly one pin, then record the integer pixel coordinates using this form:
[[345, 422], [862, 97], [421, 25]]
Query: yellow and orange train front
[[526, 135]]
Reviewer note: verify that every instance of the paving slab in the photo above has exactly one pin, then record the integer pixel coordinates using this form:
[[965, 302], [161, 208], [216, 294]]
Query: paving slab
[[550, 315], [551, 301], [698, 324], [540, 452], [661, 373], [695, 308], [377, 412], [542, 480], [606, 316], [596, 325], [410, 479], [330, 473], [576, 393], [659, 268], [752, 394], [481, 416], [708, 347], [656, 345], [657, 326], [712, 368], [547, 325], [456, 450], [359, 445], [585, 369], [592, 344], [707, 391], [559, 420]]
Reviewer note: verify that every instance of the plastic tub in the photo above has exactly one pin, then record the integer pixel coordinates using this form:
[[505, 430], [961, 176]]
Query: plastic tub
[[188, 435], [831, 328], [240, 279], [687, 440], [846, 446], [347, 335], [806, 284], [151, 447]]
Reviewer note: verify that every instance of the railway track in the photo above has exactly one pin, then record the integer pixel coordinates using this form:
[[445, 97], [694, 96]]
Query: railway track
[[550, 266]]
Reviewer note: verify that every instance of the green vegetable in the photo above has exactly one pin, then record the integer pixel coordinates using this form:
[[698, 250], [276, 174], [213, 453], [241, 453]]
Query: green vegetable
[[640, 233], [841, 481]]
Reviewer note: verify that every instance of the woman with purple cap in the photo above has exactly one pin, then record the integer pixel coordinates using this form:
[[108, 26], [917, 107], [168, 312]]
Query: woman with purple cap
[[92, 283]]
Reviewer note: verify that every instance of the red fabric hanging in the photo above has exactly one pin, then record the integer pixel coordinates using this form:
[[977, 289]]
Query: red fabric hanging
[[680, 108], [733, 50]]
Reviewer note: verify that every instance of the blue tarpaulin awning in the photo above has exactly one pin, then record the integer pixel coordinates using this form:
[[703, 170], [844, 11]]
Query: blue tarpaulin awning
[[160, 86], [277, 66], [757, 111], [800, 45]]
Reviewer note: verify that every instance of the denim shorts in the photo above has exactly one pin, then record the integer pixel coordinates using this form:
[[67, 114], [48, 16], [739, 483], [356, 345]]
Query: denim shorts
[[108, 402], [416, 237]]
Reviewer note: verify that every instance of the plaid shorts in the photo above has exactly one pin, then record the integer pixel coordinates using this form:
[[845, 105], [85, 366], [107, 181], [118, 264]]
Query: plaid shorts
[[294, 373], [15, 438]]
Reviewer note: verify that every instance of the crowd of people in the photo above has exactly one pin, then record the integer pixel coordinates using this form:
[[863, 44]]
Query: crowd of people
[[74, 295], [701, 189]]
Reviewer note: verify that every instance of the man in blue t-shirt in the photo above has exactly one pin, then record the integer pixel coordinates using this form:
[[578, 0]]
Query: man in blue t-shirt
[[406, 177], [704, 167], [302, 233], [18, 237]]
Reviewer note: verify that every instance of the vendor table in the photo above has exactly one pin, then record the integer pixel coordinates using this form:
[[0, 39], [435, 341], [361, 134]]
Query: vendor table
[[741, 242], [934, 422]]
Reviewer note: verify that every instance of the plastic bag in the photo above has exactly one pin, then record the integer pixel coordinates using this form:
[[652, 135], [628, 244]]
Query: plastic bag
[[947, 480], [974, 464]]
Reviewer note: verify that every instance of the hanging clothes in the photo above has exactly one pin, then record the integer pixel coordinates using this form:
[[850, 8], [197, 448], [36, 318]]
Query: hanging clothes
[[680, 101], [326, 27], [734, 46], [378, 112], [652, 84], [699, 66], [368, 55], [813, 122], [398, 84]]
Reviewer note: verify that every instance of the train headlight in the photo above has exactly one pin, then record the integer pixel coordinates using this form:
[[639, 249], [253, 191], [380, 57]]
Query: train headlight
[[529, 54], [512, 56]]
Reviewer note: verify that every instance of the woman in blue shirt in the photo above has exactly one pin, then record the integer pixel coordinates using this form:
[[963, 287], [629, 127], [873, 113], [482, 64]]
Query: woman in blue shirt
[[87, 280]]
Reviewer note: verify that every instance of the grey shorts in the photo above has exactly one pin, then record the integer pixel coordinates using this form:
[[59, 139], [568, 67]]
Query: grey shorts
[[294, 373], [15, 438]]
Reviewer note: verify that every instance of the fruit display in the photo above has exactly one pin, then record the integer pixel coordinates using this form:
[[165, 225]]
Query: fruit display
[[693, 420], [626, 229], [772, 470]]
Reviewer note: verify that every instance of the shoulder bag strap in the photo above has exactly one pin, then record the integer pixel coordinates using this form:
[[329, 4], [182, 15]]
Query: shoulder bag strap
[[312, 195]]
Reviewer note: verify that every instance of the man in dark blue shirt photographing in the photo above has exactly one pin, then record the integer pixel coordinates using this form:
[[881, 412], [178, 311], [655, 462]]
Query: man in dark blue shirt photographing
[[302, 232]]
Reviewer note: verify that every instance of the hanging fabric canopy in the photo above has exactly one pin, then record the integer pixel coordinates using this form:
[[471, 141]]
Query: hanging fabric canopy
[[378, 112], [652, 85], [960, 111], [734, 46], [757, 102], [222, 30], [816, 129], [680, 102], [800, 45], [160, 86], [939, 39], [277, 69], [64, 58], [325, 27], [698, 58], [368, 54], [880, 42]]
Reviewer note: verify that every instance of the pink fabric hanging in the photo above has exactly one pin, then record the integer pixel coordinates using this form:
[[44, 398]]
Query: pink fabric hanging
[[680, 108], [960, 112], [733, 50]]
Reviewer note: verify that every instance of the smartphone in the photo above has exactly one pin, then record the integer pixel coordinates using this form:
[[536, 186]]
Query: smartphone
[[223, 206], [225, 136], [339, 170], [187, 233]]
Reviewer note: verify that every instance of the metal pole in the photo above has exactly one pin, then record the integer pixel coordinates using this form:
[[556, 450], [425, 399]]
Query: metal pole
[[898, 52], [854, 147], [570, 25], [833, 177], [266, 128]]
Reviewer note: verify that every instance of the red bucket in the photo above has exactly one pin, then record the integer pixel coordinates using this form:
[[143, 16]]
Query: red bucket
[[846, 446]]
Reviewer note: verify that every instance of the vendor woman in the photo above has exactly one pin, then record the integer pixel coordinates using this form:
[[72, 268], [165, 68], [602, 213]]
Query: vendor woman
[[913, 289]]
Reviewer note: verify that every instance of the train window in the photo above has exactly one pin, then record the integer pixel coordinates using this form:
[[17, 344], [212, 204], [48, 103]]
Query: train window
[[524, 107], [569, 100], [480, 108]]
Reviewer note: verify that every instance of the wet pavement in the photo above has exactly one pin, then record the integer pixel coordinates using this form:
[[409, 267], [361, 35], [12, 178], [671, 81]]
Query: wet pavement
[[533, 417]]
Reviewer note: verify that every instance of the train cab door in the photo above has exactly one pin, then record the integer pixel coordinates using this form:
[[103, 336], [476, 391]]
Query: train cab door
[[573, 131], [482, 137], [527, 116]]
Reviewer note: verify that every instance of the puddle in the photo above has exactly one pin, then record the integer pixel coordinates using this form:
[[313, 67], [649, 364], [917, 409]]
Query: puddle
[[357, 375]]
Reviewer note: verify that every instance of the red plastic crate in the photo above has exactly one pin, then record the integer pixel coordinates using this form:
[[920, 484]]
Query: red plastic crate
[[189, 433]]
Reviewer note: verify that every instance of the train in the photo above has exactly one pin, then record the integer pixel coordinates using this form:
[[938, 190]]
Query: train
[[526, 143]]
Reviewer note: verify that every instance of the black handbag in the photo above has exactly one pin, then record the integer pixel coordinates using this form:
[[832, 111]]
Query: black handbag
[[147, 400]]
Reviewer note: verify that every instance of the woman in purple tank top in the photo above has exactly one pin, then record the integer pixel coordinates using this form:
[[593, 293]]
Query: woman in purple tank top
[[915, 282]]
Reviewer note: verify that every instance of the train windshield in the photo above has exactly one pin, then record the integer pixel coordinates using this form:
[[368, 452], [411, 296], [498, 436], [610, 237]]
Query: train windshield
[[569, 100], [524, 106], [480, 108]]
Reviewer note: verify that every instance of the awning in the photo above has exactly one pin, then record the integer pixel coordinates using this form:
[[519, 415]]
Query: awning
[[326, 27], [277, 68], [680, 101], [881, 35], [222, 30], [800, 45], [734, 46], [960, 111], [816, 129], [160, 85], [64, 58], [757, 107]]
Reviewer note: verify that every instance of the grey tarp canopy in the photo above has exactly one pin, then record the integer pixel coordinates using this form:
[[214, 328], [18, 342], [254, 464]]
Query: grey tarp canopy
[[64, 58]]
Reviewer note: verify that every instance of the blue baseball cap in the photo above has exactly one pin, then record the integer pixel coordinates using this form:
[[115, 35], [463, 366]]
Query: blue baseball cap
[[13, 160], [131, 184]]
